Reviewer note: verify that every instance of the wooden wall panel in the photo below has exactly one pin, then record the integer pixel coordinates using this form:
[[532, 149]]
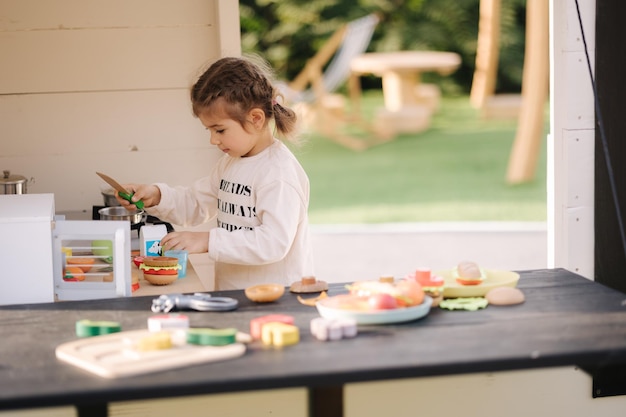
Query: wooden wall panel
[[114, 120], [26, 15], [73, 181], [134, 136], [571, 139], [102, 85], [103, 59]]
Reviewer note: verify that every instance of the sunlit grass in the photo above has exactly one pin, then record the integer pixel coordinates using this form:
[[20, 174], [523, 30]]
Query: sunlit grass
[[453, 172]]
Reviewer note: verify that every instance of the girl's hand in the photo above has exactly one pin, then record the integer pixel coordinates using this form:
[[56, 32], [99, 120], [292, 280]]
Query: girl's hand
[[149, 194], [192, 242]]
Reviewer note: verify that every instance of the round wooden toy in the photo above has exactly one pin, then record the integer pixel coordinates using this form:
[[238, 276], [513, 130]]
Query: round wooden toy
[[308, 285]]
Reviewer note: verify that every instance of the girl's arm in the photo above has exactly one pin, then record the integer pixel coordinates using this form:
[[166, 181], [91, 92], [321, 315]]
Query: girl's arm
[[186, 206]]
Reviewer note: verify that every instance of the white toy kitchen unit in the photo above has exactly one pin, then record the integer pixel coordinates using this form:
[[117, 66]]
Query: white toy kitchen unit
[[49, 259]]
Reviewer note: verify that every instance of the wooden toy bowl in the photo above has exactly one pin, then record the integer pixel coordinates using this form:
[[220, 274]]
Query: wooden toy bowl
[[264, 293]]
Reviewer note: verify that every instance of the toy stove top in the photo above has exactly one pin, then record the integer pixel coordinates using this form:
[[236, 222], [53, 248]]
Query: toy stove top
[[148, 220], [135, 228]]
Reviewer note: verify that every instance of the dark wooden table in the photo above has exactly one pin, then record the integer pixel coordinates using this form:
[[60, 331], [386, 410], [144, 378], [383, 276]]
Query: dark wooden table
[[566, 320]]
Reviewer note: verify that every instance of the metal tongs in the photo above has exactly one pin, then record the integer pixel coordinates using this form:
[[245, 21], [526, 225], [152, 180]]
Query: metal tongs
[[198, 301]]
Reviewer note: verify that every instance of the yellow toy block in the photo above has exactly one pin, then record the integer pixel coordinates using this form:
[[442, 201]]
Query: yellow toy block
[[279, 334], [156, 341]]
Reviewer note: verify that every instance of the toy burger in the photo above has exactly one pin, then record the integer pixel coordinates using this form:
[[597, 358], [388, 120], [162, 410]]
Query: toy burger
[[431, 284], [160, 270]]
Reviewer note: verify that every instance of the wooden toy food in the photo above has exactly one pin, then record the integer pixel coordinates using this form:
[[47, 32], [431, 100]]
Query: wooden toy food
[[155, 341], [502, 296], [264, 293], [468, 273], [88, 328], [373, 296], [431, 283], [464, 303], [211, 337], [256, 324], [73, 273], [83, 262], [311, 301], [405, 293], [161, 322], [160, 270], [279, 334], [308, 285], [333, 329], [386, 278]]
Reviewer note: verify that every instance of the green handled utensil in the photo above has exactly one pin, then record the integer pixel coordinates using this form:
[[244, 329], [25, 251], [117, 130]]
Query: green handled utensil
[[121, 190]]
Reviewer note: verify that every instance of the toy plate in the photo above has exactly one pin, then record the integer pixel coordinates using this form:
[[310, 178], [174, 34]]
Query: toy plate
[[494, 279], [398, 315]]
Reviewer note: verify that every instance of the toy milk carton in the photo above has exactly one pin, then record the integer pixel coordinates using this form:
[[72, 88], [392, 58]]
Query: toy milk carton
[[150, 239]]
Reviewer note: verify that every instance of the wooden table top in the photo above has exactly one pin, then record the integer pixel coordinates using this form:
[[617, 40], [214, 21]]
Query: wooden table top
[[406, 61], [565, 320]]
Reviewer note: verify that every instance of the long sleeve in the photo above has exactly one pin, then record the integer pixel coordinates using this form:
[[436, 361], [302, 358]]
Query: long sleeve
[[187, 206]]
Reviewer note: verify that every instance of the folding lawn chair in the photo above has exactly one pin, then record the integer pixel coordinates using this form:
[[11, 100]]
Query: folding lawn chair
[[314, 85]]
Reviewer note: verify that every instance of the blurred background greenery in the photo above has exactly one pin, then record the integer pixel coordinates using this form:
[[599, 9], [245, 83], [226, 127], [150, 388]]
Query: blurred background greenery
[[288, 32], [455, 171]]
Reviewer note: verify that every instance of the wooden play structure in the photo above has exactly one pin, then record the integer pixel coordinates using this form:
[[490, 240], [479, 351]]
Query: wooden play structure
[[529, 107]]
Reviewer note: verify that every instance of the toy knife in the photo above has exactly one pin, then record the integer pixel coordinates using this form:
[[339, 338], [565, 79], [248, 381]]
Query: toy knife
[[121, 190]]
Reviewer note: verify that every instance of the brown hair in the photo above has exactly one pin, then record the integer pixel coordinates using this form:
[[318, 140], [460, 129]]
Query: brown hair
[[242, 85]]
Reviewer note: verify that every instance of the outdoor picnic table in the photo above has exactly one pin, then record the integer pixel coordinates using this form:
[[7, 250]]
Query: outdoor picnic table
[[566, 320], [406, 107]]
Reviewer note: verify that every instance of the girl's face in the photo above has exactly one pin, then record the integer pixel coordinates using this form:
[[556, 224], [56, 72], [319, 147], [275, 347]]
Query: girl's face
[[231, 138]]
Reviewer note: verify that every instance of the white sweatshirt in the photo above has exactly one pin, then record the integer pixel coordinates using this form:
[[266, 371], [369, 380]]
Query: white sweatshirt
[[261, 203]]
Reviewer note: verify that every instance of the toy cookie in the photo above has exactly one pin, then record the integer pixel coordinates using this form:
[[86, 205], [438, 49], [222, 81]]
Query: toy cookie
[[308, 285]]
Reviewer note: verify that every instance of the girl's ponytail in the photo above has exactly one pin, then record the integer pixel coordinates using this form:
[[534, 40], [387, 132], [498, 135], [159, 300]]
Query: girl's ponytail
[[285, 119]]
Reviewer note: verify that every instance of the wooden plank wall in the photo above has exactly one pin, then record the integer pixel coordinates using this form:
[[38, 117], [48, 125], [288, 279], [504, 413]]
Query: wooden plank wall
[[102, 85], [571, 143]]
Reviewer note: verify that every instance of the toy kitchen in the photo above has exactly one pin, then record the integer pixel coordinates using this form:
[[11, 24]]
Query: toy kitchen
[[73, 255]]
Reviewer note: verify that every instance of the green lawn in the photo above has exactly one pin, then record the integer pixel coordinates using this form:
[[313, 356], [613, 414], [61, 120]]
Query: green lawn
[[453, 172]]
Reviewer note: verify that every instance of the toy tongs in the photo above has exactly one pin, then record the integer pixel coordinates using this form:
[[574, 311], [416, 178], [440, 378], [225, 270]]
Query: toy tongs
[[198, 301]]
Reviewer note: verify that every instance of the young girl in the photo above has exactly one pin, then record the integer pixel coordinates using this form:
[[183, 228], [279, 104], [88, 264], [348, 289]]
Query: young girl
[[258, 190]]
